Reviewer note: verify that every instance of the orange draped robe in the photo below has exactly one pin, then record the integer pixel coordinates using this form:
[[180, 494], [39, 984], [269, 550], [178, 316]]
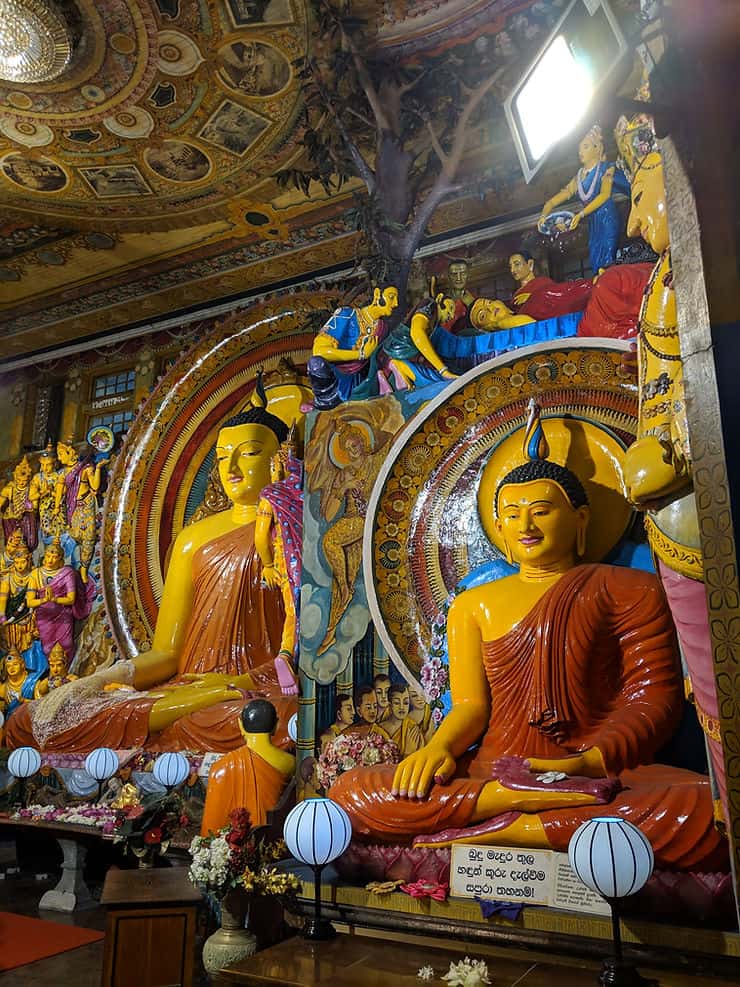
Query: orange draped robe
[[235, 627], [593, 664], [241, 780]]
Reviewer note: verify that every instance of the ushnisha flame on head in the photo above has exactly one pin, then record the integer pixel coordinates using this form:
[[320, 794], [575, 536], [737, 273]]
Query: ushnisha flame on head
[[536, 465]]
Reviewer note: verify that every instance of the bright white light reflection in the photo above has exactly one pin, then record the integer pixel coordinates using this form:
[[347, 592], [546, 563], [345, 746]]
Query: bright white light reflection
[[554, 98]]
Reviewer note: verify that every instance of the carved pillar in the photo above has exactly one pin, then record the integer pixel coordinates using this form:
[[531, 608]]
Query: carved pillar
[[702, 209]]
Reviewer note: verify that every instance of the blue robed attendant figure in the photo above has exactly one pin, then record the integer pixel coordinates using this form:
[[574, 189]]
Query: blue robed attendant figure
[[344, 345], [593, 184]]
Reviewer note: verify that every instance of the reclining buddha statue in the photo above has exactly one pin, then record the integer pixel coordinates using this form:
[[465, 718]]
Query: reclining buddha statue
[[565, 683], [218, 632]]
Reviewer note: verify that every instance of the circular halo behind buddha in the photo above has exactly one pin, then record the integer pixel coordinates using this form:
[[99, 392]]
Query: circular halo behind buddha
[[425, 531], [35, 41]]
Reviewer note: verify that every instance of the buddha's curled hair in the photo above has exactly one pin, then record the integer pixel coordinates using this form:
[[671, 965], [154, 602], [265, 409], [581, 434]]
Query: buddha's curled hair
[[544, 469]]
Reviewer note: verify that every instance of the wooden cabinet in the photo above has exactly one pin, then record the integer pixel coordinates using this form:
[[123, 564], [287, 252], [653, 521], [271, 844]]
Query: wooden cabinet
[[150, 928]]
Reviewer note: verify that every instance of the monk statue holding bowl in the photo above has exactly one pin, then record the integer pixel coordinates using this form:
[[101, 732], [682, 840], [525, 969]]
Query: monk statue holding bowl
[[218, 631], [565, 682]]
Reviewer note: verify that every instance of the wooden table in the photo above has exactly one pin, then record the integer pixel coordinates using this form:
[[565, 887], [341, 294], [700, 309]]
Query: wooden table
[[359, 961], [150, 928], [71, 893]]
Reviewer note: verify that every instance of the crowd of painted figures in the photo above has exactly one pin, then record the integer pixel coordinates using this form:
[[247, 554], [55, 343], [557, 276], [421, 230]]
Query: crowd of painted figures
[[562, 670], [49, 518], [394, 710]]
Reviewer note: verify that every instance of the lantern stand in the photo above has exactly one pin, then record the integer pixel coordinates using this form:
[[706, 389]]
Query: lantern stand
[[613, 858], [614, 971], [317, 831], [316, 927]]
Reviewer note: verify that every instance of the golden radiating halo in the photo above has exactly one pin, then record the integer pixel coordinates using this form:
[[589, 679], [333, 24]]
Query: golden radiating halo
[[596, 457]]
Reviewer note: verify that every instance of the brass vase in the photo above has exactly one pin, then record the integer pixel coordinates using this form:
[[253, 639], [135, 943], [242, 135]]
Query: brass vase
[[232, 942]]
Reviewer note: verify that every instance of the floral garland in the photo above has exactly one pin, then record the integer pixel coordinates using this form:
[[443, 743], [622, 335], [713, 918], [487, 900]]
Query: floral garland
[[435, 673], [353, 750], [234, 858], [98, 816]]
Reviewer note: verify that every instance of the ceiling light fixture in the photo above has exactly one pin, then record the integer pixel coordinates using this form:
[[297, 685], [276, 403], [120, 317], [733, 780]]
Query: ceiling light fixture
[[35, 41]]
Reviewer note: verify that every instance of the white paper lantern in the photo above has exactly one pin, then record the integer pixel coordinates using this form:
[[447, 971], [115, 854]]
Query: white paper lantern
[[317, 831], [171, 770], [293, 728], [24, 762], [101, 764], [611, 856]]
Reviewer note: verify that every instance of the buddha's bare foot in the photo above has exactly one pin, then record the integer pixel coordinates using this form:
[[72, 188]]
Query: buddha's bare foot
[[286, 678], [496, 799]]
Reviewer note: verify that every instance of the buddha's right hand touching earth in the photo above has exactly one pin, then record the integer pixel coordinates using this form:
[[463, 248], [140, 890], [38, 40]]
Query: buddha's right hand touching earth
[[414, 775]]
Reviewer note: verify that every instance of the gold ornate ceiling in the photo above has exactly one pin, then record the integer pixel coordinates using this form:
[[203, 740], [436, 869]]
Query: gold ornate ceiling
[[140, 180], [167, 110]]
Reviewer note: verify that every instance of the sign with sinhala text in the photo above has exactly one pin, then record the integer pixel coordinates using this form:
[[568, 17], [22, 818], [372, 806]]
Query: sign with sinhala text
[[517, 874], [502, 874]]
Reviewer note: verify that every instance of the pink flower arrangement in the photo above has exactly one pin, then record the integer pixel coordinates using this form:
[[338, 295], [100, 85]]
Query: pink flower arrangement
[[99, 817], [353, 750], [435, 679]]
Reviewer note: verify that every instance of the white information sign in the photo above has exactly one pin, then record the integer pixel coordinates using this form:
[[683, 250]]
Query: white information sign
[[516, 874], [502, 874], [571, 894], [209, 759]]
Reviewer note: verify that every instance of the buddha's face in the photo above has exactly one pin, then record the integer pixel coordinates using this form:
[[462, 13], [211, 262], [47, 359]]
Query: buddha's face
[[22, 472], [590, 150], [346, 714], [15, 542], [243, 453], [14, 665], [538, 523], [57, 662], [382, 689], [22, 563], [487, 313], [521, 270], [400, 704], [66, 454], [457, 274], [416, 698], [649, 217], [53, 557], [368, 708]]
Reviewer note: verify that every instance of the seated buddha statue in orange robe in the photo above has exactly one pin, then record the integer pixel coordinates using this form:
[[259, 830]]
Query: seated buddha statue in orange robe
[[561, 667], [252, 777], [217, 634]]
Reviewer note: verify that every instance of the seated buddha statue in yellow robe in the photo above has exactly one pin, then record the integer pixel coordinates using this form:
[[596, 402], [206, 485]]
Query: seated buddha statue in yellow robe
[[217, 634], [562, 667]]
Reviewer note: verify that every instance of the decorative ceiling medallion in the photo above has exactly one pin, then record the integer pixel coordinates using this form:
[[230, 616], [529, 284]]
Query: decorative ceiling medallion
[[35, 41], [33, 174], [178, 162], [27, 133], [178, 54], [254, 68], [130, 123]]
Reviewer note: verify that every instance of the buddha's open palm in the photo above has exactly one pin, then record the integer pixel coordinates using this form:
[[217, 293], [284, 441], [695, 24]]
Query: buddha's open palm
[[589, 764], [415, 774]]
